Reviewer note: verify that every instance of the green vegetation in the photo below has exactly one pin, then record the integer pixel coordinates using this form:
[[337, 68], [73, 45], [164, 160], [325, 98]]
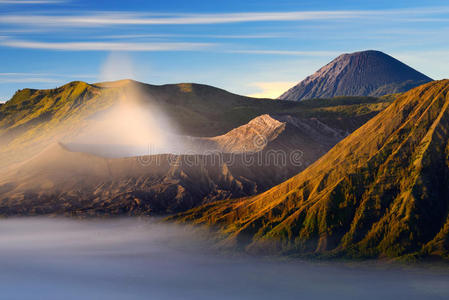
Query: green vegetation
[[381, 192], [33, 119]]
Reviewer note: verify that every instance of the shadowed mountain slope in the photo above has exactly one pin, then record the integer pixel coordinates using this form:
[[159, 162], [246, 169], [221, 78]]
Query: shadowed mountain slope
[[365, 73], [276, 132], [381, 192], [247, 160], [59, 181]]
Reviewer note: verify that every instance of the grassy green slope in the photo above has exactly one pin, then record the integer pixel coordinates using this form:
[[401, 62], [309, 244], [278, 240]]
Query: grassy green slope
[[381, 192], [33, 119]]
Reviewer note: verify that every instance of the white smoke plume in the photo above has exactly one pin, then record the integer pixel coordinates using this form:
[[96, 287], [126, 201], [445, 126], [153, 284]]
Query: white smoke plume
[[134, 125]]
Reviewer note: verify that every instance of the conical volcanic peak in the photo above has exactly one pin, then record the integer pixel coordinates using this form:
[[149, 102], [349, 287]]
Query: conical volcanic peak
[[382, 191], [365, 73]]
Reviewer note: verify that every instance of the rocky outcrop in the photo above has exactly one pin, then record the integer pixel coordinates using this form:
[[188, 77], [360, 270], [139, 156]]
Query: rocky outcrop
[[381, 192]]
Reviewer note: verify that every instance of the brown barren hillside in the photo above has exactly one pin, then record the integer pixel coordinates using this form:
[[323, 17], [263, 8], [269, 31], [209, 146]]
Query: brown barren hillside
[[62, 182], [81, 179], [381, 192]]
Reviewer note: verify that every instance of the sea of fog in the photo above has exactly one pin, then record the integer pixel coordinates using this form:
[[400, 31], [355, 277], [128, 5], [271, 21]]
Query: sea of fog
[[142, 259]]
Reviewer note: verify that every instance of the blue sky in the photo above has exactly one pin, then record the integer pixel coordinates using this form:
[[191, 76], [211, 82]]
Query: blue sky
[[254, 47]]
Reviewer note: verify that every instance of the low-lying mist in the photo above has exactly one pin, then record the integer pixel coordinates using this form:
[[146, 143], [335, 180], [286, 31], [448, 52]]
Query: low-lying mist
[[143, 259]]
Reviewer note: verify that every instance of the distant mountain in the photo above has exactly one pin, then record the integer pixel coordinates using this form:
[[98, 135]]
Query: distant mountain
[[365, 73], [381, 192], [33, 119]]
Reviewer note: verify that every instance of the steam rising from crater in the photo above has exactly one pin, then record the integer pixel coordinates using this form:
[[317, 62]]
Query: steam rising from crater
[[134, 125], [118, 66], [133, 120]]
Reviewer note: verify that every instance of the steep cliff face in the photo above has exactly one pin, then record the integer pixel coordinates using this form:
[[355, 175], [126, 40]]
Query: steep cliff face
[[366, 73], [382, 191]]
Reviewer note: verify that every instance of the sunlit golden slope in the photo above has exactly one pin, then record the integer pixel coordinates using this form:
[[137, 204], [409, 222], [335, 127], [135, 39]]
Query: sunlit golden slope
[[34, 119], [382, 191]]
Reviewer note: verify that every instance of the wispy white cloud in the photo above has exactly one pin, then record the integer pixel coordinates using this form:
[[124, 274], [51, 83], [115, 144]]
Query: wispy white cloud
[[144, 46], [103, 46], [34, 77], [31, 79], [119, 18], [133, 18], [31, 1], [213, 36], [22, 74], [287, 52], [12, 74]]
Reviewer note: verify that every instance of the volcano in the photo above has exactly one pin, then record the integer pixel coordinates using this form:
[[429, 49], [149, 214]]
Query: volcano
[[381, 192], [365, 73]]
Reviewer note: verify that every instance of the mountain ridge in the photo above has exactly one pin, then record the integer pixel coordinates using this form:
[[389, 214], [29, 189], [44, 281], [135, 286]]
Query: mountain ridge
[[34, 118], [380, 192], [363, 73]]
